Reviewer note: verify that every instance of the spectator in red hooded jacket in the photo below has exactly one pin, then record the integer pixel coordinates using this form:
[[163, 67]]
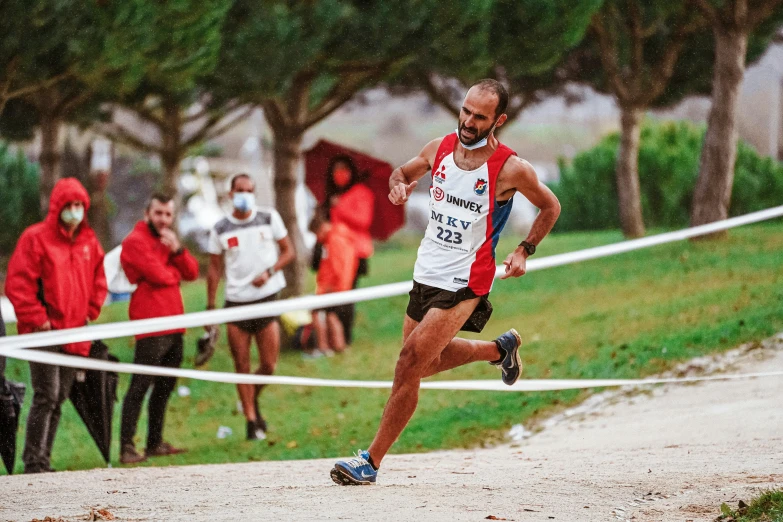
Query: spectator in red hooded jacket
[[154, 259], [55, 280]]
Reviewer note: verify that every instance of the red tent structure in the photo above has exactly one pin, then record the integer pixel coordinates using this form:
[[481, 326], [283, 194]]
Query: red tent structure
[[388, 218]]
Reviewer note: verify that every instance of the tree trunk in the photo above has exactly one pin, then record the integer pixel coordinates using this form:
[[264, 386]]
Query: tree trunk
[[712, 194], [50, 156], [170, 162], [171, 155], [627, 171], [286, 160], [99, 208]]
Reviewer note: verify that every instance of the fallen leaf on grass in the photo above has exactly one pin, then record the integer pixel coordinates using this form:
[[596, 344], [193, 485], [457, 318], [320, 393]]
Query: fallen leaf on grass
[[292, 444]]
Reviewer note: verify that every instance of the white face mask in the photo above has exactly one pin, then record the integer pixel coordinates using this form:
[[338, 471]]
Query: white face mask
[[72, 217], [244, 201], [481, 143]]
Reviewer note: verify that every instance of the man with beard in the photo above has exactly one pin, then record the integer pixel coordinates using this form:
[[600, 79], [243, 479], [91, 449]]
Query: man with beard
[[474, 178], [154, 259]]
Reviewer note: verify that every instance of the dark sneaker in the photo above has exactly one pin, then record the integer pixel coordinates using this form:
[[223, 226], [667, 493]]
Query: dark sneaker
[[129, 455], [509, 363], [354, 472], [205, 346], [260, 420], [164, 449], [255, 431]]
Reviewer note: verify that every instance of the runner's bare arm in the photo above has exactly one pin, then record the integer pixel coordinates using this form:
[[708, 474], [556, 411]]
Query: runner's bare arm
[[519, 175], [405, 178], [213, 278]]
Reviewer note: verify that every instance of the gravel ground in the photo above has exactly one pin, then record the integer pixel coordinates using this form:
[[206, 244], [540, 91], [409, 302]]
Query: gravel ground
[[670, 453]]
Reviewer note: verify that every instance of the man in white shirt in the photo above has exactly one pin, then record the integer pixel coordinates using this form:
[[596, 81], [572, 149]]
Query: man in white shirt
[[253, 246]]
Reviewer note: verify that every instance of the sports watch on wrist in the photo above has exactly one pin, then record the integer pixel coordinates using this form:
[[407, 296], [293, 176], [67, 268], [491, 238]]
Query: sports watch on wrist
[[530, 248], [271, 271]]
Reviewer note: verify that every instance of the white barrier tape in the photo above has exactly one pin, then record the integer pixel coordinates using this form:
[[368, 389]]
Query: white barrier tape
[[191, 320], [645, 242], [473, 385]]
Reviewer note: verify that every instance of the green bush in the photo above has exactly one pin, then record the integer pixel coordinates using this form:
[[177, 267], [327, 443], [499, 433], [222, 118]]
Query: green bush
[[19, 200], [668, 166]]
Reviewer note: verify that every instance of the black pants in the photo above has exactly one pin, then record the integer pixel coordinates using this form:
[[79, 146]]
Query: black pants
[[2, 359], [166, 351], [51, 386]]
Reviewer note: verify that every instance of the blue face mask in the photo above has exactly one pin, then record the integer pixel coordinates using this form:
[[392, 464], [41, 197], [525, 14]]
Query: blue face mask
[[72, 217], [244, 201]]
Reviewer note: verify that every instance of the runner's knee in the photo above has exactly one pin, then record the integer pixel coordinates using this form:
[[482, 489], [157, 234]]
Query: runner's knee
[[412, 362], [267, 367]]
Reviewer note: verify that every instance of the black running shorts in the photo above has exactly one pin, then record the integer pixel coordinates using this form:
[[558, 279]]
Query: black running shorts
[[424, 297], [252, 326]]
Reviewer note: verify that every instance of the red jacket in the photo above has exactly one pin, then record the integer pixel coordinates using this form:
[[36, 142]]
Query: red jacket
[[157, 271], [53, 277], [337, 269], [354, 209]]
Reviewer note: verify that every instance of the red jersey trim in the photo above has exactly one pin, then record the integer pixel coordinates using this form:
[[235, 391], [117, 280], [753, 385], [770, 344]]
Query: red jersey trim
[[482, 271]]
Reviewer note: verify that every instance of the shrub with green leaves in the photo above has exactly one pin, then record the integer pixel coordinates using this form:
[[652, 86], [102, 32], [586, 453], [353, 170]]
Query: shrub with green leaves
[[668, 166], [19, 200]]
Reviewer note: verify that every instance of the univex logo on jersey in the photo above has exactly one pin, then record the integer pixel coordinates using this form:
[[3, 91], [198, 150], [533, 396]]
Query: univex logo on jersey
[[474, 207], [438, 194], [480, 187], [440, 175], [233, 242]]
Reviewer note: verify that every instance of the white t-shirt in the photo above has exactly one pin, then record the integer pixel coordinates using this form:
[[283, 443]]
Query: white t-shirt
[[249, 247]]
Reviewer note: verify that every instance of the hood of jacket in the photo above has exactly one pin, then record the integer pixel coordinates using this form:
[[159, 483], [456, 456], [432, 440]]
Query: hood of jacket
[[65, 191]]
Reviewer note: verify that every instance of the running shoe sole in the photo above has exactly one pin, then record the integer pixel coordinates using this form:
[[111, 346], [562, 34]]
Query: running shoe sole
[[343, 478], [516, 354]]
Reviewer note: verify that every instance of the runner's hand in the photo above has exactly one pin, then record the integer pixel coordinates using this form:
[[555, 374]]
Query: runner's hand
[[399, 194], [516, 264], [47, 326], [261, 280]]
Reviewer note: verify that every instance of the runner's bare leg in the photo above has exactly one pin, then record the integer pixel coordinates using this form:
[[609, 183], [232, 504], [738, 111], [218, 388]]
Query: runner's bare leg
[[422, 348], [458, 352], [239, 341], [268, 343]]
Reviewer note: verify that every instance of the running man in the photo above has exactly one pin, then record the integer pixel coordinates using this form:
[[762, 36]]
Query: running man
[[474, 178], [253, 246]]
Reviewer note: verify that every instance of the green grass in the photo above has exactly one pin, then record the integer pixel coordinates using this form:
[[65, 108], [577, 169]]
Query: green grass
[[626, 316], [767, 507]]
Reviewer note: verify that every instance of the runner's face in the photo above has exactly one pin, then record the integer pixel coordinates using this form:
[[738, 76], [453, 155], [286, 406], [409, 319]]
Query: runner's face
[[242, 184], [477, 115], [161, 215]]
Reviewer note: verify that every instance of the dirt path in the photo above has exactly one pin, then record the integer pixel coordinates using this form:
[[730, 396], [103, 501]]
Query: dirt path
[[673, 454]]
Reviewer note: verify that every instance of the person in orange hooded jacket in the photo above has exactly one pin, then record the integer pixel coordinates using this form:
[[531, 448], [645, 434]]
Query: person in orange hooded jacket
[[55, 280], [350, 203]]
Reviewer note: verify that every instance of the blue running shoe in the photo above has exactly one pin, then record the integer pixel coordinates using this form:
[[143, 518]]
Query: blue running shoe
[[509, 363], [354, 472]]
